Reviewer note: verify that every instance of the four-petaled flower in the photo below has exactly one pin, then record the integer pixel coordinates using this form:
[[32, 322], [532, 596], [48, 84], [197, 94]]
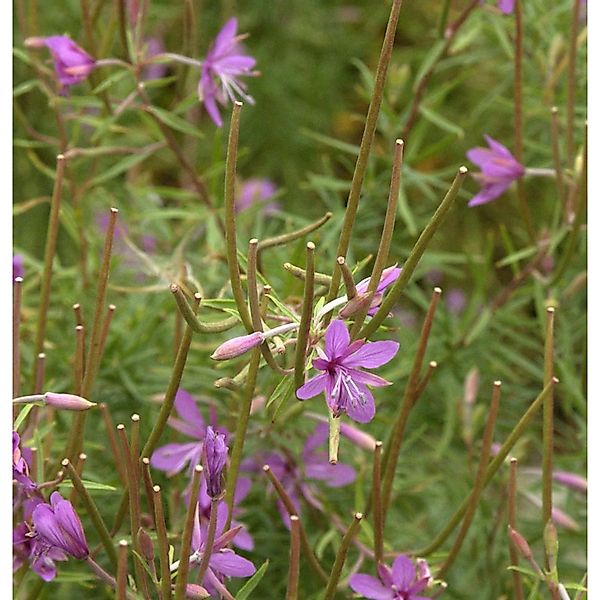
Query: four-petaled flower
[[499, 168], [342, 380], [222, 68], [401, 582], [58, 526], [173, 458]]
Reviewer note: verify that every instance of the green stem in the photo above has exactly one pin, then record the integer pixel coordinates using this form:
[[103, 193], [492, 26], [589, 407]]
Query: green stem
[[555, 135], [240, 434], [548, 419], [443, 19], [390, 460], [415, 256], [386, 234], [192, 320], [92, 511], [572, 82], [210, 540], [294, 562], [306, 317], [169, 401], [366, 142], [16, 335], [299, 273], [122, 571], [186, 539], [377, 503], [163, 544], [491, 470], [230, 229], [488, 438], [50, 251], [340, 558], [347, 277], [512, 522], [286, 238]]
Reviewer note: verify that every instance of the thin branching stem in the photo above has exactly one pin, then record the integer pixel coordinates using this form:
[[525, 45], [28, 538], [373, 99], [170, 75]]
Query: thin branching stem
[[512, 522], [414, 257], [163, 544], [572, 81], [286, 238], [16, 339], [377, 503], [122, 571], [294, 561], [556, 158], [306, 317], [209, 540], [478, 485], [548, 418]]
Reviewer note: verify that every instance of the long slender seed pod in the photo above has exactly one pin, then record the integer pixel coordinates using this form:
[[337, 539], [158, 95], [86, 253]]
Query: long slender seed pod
[[294, 561], [306, 317], [163, 544]]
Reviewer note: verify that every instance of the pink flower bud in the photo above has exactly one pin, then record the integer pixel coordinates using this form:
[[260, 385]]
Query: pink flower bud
[[520, 543], [195, 592], [357, 304], [571, 480], [358, 437], [67, 401], [238, 346]]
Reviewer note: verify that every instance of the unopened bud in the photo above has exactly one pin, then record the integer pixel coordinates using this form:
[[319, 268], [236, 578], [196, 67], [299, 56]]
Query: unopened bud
[[67, 401], [146, 546], [571, 480], [357, 304], [520, 543], [195, 592], [34, 42], [238, 346]]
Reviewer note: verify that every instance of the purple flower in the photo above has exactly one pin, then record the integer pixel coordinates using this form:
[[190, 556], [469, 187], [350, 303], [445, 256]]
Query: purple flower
[[215, 452], [223, 562], [154, 46], [257, 191], [237, 346], [41, 556], [243, 539], [499, 168], [58, 526], [506, 6], [344, 383], [173, 458], [71, 63], [401, 582], [18, 268], [224, 64], [26, 491], [456, 301], [388, 277], [295, 477]]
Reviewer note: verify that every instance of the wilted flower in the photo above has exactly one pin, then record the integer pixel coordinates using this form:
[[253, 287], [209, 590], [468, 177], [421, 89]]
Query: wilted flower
[[401, 582], [499, 168], [58, 526], [222, 68], [388, 277], [18, 267], [173, 458], [295, 476], [71, 63], [223, 562], [344, 383], [257, 191], [215, 452]]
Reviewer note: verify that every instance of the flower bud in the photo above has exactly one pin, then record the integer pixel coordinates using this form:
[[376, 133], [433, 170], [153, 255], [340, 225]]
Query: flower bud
[[145, 545], [195, 592], [358, 437], [215, 453], [238, 346], [35, 42], [357, 304], [551, 544], [520, 543], [571, 480], [67, 401]]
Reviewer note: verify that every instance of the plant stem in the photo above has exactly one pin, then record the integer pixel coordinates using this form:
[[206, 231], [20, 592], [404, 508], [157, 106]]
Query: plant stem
[[79, 362], [386, 234], [294, 562], [548, 418], [50, 251], [415, 256], [163, 544], [112, 440], [171, 392], [209, 542], [291, 510], [230, 229], [377, 503], [16, 335], [572, 82], [491, 470], [390, 460], [340, 558], [512, 522], [122, 571], [240, 434], [306, 317], [555, 135], [186, 539], [286, 238], [488, 438], [366, 142], [92, 511]]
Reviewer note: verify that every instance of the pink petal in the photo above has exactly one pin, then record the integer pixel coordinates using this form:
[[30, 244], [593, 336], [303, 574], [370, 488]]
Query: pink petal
[[372, 355], [362, 412], [333, 475], [312, 387], [337, 339], [403, 572], [368, 378], [370, 587]]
